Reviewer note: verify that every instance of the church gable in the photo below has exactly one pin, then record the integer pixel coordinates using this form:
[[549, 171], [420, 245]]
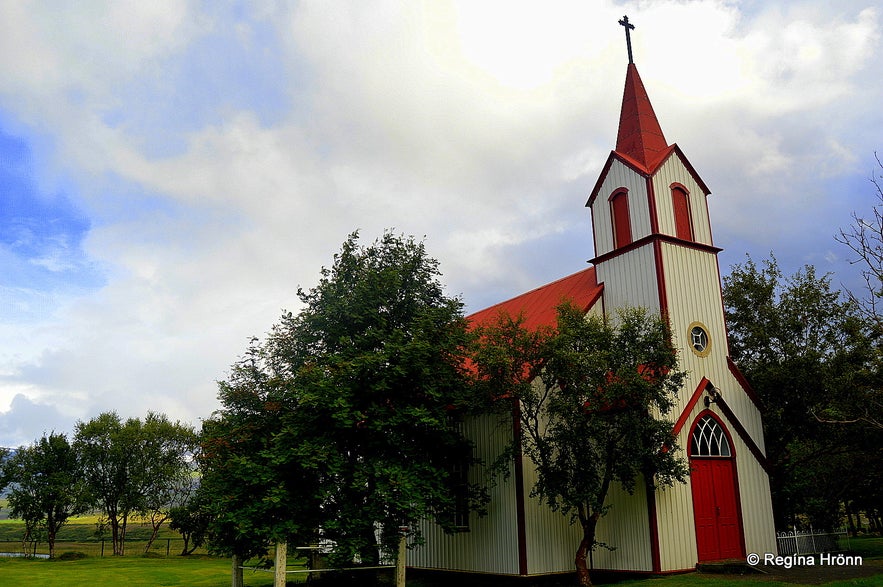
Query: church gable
[[680, 198]]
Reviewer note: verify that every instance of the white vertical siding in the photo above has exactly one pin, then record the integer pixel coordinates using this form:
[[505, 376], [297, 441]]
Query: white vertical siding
[[630, 280], [620, 176], [674, 171], [491, 544], [692, 286], [552, 540]]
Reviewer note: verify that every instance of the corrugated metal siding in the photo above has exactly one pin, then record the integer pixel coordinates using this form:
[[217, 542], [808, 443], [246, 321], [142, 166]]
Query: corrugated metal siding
[[677, 533], [694, 294], [674, 171], [491, 544], [552, 540], [675, 505], [693, 290], [617, 177], [630, 280]]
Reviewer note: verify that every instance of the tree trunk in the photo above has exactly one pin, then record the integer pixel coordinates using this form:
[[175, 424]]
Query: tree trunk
[[589, 524], [236, 579], [582, 569]]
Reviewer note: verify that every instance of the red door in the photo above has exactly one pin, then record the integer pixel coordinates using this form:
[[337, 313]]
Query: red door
[[715, 509], [715, 501]]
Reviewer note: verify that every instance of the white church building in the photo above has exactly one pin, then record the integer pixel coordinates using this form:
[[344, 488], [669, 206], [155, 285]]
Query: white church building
[[654, 249]]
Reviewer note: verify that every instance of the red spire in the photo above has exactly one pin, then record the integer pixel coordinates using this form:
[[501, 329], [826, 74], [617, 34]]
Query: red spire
[[640, 137]]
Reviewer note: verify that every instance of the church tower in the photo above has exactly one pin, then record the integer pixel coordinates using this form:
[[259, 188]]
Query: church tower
[[654, 249]]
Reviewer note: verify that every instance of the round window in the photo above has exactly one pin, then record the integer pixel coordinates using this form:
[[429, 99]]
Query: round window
[[699, 341]]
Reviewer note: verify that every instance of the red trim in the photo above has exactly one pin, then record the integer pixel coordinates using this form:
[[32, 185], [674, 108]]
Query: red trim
[[660, 279], [743, 434], [680, 203], [644, 171], [518, 467], [746, 387], [725, 408], [601, 177], [651, 202], [620, 217], [654, 525], [655, 237], [682, 419]]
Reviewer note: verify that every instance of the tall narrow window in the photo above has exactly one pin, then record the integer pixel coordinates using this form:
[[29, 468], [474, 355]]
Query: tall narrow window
[[681, 204], [619, 208]]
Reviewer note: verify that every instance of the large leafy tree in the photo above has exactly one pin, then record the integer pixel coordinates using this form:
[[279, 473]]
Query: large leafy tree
[[128, 463], [341, 420], [591, 398], [47, 487], [806, 352]]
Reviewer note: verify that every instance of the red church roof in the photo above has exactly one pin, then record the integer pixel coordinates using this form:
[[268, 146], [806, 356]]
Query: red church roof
[[538, 305], [640, 137]]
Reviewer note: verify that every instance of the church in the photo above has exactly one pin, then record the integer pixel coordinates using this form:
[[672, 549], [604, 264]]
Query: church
[[654, 249]]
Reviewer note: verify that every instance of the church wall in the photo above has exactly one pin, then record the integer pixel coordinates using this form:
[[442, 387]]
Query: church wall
[[620, 176], [757, 504], [692, 285], [552, 540], [674, 171], [491, 544], [629, 280], [693, 288], [693, 291], [677, 533]]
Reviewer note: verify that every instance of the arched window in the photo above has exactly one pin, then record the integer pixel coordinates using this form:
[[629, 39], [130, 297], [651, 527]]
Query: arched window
[[619, 209], [681, 204], [709, 439]]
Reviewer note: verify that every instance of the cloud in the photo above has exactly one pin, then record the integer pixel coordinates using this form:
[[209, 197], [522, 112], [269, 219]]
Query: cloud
[[26, 421], [215, 158]]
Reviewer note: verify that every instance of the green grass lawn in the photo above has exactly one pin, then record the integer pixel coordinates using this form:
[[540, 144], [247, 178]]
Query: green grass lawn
[[125, 572]]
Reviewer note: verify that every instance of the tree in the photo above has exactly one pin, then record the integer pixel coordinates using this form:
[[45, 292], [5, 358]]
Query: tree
[[47, 487], [127, 464], [805, 350], [170, 448], [192, 520], [864, 237], [591, 398], [347, 405]]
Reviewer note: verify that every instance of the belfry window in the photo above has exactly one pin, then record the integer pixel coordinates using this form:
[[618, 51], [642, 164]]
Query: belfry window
[[619, 209], [681, 204], [709, 439]]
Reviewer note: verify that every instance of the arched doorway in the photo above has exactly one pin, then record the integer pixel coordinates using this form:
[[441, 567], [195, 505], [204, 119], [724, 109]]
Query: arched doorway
[[715, 492]]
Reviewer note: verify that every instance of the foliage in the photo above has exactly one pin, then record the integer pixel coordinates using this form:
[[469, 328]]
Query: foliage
[[47, 487], [191, 519], [594, 416], [130, 465], [865, 239], [341, 419], [806, 352]]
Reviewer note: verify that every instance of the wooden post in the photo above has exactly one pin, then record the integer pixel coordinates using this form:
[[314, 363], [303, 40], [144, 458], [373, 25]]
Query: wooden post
[[281, 564], [237, 572], [400, 560]]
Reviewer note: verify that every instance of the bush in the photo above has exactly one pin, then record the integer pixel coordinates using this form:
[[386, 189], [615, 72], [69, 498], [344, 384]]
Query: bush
[[71, 556]]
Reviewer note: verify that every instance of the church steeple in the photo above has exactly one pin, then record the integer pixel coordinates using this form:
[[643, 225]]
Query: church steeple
[[640, 137]]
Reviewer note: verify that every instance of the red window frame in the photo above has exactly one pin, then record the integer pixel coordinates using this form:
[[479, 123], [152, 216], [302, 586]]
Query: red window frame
[[619, 211], [680, 198]]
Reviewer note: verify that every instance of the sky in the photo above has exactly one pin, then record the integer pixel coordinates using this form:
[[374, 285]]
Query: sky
[[171, 172]]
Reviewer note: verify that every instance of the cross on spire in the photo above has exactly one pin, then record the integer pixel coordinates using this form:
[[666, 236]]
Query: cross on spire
[[624, 21]]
